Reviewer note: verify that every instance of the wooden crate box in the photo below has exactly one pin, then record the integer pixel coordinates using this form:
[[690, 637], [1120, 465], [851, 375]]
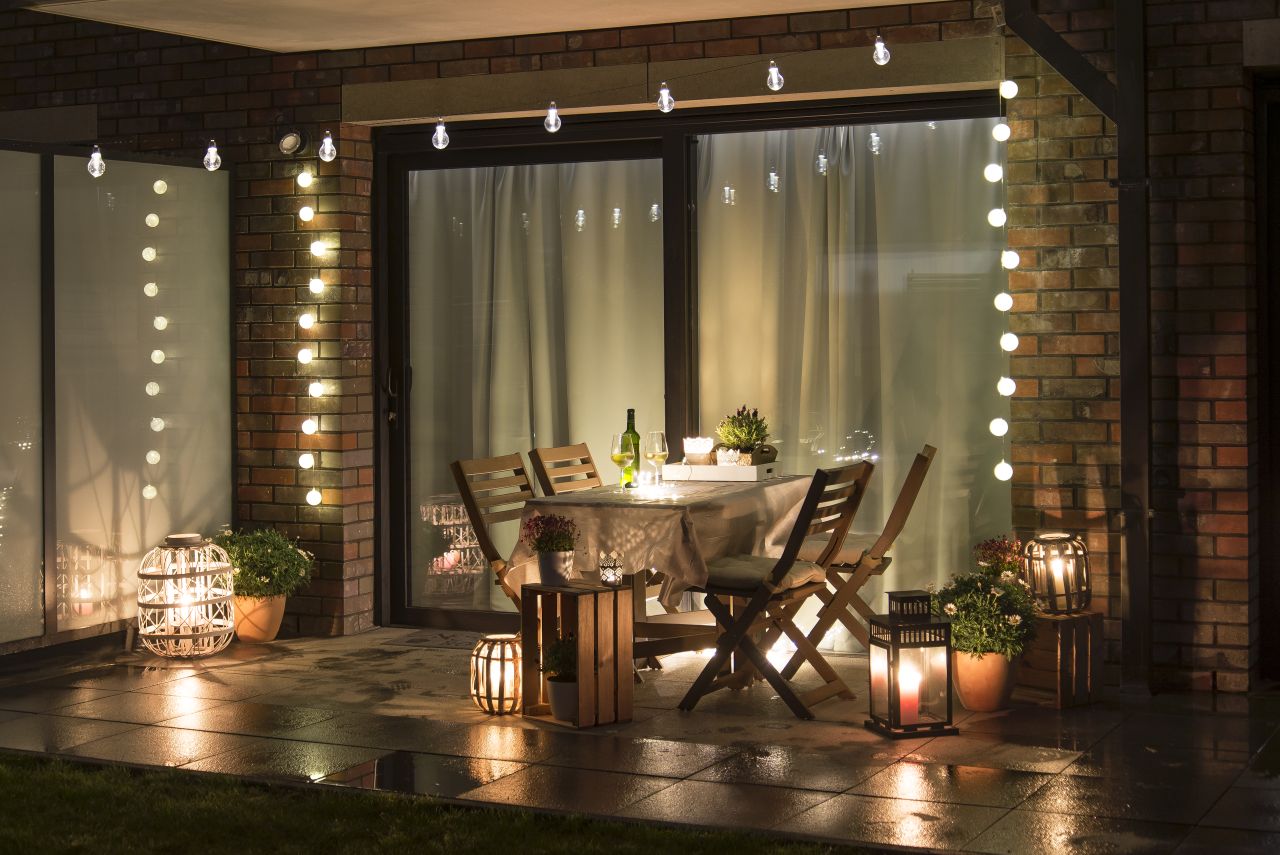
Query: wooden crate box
[[1065, 658]]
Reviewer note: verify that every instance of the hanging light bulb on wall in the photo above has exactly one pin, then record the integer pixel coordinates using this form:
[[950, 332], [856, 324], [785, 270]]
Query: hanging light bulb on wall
[[316, 285], [552, 121], [1003, 471], [1008, 89], [305, 355], [318, 248], [306, 320], [309, 426], [774, 79], [313, 497], [881, 53], [305, 178], [306, 460], [998, 427], [1009, 342], [328, 151], [996, 217], [666, 103], [440, 139], [315, 389], [306, 213], [1005, 386], [97, 166], [993, 172], [1001, 132], [1009, 259], [212, 160], [1003, 302], [821, 163]]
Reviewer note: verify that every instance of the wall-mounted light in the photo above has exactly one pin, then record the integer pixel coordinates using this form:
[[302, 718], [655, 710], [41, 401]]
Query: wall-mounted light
[[291, 142]]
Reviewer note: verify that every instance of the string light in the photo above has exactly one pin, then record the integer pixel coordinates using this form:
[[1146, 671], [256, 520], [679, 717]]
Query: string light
[[160, 187], [316, 285], [309, 426], [993, 172], [998, 427], [313, 497], [153, 457], [1009, 259], [1009, 342], [1005, 386], [305, 355], [997, 217], [152, 220], [157, 424], [315, 389], [552, 121], [306, 460], [773, 79], [1003, 301], [440, 139], [160, 323], [1008, 90], [318, 248], [305, 178], [881, 52], [306, 213], [1001, 132], [152, 388], [1003, 471], [211, 158], [157, 356], [97, 166], [328, 151], [666, 102], [151, 289], [148, 253], [306, 320]]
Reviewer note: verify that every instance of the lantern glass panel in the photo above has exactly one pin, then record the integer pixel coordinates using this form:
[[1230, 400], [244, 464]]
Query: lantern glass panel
[[879, 657]]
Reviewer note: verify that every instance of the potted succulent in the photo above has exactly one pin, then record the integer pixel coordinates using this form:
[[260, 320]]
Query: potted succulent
[[560, 664], [552, 537], [992, 616], [742, 439], [267, 568]]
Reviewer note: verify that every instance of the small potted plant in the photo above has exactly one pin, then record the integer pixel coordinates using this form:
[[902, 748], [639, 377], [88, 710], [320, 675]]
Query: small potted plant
[[742, 439], [267, 568], [560, 664], [992, 616], [553, 537]]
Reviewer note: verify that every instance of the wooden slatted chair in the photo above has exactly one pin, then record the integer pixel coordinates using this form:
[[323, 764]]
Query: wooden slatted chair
[[857, 561], [566, 469], [770, 592], [494, 490]]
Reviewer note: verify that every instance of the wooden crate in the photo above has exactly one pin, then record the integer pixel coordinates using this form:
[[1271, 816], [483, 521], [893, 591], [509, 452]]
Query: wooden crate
[[600, 618], [1064, 659]]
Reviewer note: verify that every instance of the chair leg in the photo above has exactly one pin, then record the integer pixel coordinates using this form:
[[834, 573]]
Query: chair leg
[[806, 648], [780, 685], [729, 640], [836, 605]]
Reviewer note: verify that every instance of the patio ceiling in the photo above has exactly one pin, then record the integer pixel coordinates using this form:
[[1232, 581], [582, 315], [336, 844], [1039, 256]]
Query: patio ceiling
[[299, 25]]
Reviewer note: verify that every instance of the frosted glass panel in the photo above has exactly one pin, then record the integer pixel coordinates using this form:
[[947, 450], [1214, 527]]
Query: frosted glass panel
[[142, 298], [21, 496]]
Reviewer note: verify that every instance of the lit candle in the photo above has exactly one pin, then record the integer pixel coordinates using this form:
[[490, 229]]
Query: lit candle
[[908, 693], [1056, 568], [82, 604]]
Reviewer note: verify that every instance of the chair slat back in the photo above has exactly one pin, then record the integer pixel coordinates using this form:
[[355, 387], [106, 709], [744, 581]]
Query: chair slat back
[[905, 502], [566, 469], [493, 490], [829, 507]]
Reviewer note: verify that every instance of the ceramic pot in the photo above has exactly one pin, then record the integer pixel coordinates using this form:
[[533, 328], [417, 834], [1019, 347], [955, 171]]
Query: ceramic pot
[[986, 684], [258, 618], [727, 456], [555, 568], [563, 696]]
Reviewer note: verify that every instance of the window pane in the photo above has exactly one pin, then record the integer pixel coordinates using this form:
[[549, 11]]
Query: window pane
[[536, 320], [845, 281]]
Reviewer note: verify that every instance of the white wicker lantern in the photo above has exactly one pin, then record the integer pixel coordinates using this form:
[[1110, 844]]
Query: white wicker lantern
[[184, 597], [495, 674]]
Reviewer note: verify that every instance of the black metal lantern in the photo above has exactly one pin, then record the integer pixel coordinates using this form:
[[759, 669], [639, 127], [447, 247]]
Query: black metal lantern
[[910, 669], [1056, 566]]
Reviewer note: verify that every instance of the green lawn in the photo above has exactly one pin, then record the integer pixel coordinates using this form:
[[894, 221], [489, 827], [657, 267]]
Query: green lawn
[[51, 806]]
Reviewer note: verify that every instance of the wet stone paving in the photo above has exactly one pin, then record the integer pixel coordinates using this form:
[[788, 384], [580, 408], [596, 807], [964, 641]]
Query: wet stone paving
[[388, 710]]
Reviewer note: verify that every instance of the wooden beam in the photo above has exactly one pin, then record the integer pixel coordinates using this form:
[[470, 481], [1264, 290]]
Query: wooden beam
[[1027, 24]]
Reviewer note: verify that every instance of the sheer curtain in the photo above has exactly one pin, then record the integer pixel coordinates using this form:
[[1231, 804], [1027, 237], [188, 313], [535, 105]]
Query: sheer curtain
[[535, 320], [845, 285]]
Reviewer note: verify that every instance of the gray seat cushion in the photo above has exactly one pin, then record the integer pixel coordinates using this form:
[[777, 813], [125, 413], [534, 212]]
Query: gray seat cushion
[[855, 543], [746, 572]]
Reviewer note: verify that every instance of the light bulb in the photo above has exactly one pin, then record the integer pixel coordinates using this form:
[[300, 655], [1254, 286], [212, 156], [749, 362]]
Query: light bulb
[[153, 388], [306, 320], [873, 143], [933, 126], [309, 426], [160, 322], [1001, 132], [998, 427], [774, 78], [160, 187], [1009, 342], [157, 356], [306, 460], [212, 160], [1003, 471], [306, 213], [997, 217], [655, 212], [153, 457], [821, 163], [1009, 259], [97, 166], [148, 492], [1005, 386], [1003, 301], [328, 151], [881, 53], [666, 103], [1008, 89], [151, 220], [318, 248], [580, 219], [151, 289], [730, 195], [616, 219], [157, 424], [440, 139], [774, 182], [993, 172], [148, 253], [552, 121], [305, 355], [305, 178], [313, 497], [316, 285], [315, 389]]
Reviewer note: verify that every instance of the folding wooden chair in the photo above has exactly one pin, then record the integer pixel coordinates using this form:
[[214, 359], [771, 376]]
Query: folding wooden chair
[[856, 562], [566, 469], [494, 490], [774, 590]]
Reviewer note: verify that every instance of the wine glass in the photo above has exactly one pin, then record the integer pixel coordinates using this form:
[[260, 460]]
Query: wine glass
[[655, 451], [622, 451]]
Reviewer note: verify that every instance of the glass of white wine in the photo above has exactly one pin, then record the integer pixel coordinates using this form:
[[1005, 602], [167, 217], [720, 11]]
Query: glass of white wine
[[622, 451], [655, 451]]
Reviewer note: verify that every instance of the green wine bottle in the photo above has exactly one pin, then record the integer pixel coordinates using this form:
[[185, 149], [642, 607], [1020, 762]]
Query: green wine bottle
[[629, 474]]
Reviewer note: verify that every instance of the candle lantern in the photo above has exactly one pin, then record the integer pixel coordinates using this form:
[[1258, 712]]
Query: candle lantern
[[611, 569], [910, 654], [184, 597], [1056, 566], [495, 674]]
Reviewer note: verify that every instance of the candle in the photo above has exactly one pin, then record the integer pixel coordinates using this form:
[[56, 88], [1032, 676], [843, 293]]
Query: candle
[[908, 693], [82, 603], [1056, 568]]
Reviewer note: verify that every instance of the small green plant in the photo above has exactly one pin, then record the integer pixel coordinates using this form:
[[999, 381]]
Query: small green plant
[[560, 660], [266, 563], [991, 609], [743, 430], [550, 533]]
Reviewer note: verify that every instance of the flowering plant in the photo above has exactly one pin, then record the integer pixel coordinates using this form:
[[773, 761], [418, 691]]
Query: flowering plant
[[991, 609], [743, 430], [549, 533], [264, 562]]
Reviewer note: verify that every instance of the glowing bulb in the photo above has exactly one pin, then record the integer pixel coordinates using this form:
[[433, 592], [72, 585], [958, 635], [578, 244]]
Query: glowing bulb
[[316, 285], [160, 322], [306, 320], [160, 187], [148, 253], [617, 217], [153, 388], [1003, 471], [151, 289], [148, 492], [1008, 89], [1009, 342], [873, 142], [1009, 259], [730, 195], [305, 178], [993, 172], [309, 426], [212, 160], [580, 219], [315, 389], [774, 78], [318, 248], [153, 457], [552, 121], [1005, 386], [997, 217], [305, 355], [157, 424], [151, 220], [655, 212], [313, 497], [306, 213], [998, 427], [1001, 132], [774, 182], [821, 163], [1003, 302], [306, 460], [881, 53], [97, 166], [666, 103], [157, 356], [328, 151], [440, 139]]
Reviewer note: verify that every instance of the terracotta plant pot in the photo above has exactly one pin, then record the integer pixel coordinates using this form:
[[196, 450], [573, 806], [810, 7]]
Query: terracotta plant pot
[[986, 684], [555, 568], [258, 618], [563, 697]]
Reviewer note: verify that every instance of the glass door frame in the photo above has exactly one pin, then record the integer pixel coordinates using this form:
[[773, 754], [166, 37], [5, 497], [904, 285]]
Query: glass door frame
[[672, 138]]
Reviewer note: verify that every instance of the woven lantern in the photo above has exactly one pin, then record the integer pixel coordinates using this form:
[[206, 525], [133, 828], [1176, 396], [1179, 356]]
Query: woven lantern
[[184, 597], [1056, 566], [495, 674]]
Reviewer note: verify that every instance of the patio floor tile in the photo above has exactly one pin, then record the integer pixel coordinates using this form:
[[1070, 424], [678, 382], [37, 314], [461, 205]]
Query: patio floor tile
[[1247, 807], [1116, 756], [662, 757], [780, 766], [122, 678], [984, 750], [221, 685], [43, 698], [1160, 799], [572, 790], [159, 746], [968, 785], [1219, 733], [1022, 831], [249, 718], [902, 822], [392, 733], [54, 734], [287, 759], [735, 805], [429, 774], [1227, 841], [138, 708]]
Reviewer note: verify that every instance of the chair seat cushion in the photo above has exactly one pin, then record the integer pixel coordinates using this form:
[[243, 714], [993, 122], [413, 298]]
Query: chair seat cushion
[[851, 550], [747, 572]]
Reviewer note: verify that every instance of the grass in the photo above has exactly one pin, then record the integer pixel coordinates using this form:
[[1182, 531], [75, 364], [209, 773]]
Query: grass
[[52, 806]]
